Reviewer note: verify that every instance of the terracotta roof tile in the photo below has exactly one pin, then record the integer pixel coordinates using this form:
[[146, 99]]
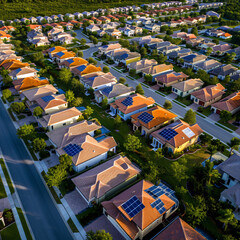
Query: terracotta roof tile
[[28, 82]]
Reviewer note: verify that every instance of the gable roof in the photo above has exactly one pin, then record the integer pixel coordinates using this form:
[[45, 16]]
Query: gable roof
[[194, 57], [209, 92], [62, 55], [179, 230], [56, 49], [22, 71], [159, 116], [56, 100], [171, 77], [189, 84], [224, 70], [138, 102], [142, 63], [14, 64], [82, 70], [180, 127], [208, 64], [64, 135], [232, 194], [158, 69], [73, 62], [101, 179]]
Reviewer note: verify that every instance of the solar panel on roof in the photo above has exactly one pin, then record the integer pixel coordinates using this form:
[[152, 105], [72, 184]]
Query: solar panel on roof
[[133, 206], [60, 54], [70, 60], [145, 117], [72, 149], [127, 101], [81, 68], [168, 133], [177, 74], [18, 70], [47, 98], [107, 90], [188, 132]]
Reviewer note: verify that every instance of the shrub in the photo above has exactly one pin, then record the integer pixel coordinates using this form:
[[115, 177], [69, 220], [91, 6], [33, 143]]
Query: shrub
[[44, 154]]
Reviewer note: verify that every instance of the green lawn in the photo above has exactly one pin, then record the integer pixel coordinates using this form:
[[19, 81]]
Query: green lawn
[[2, 190], [219, 125], [5, 171], [206, 111], [185, 100], [72, 225], [10, 233], [228, 125], [24, 224], [179, 103]]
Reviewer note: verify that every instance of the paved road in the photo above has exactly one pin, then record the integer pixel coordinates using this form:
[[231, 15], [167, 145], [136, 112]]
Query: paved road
[[42, 214]]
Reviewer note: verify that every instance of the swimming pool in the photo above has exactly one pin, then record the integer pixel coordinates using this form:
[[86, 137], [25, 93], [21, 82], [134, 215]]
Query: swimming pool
[[104, 130], [101, 137], [81, 108]]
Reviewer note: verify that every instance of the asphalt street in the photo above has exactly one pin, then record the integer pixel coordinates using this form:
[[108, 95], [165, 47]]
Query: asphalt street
[[42, 214]]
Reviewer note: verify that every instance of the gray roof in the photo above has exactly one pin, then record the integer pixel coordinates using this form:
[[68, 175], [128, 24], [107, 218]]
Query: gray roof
[[223, 70], [208, 64], [232, 194], [180, 53], [231, 166]]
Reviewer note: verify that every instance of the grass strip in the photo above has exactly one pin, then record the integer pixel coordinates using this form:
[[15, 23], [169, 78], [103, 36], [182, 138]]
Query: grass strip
[[2, 190], [72, 225], [10, 232], [219, 125], [179, 103], [24, 224], [160, 93], [11, 114], [30, 150], [228, 125], [145, 85], [54, 194], [3, 99], [201, 115], [7, 176]]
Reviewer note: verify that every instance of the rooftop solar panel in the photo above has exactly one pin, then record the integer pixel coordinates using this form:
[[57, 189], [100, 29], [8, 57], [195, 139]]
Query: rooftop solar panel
[[168, 133], [133, 206], [107, 90], [81, 68], [188, 132], [127, 101], [72, 149], [145, 117], [60, 54], [47, 98], [70, 60]]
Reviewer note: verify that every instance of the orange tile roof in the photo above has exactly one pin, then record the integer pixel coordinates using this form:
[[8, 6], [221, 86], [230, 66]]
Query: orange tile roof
[[179, 230], [28, 82], [139, 102], [14, 64], [158, 69], [66, 55], [57, 49], [210, 92], [4, 35], [160, 116], [171, 77], [57, 101], [144, 218], [34, 26], [90, 69], [77, 61], [181, 138], [7, 28]]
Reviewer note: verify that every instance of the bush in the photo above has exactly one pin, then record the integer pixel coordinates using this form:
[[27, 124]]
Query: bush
[[17, 107], [44, 154]]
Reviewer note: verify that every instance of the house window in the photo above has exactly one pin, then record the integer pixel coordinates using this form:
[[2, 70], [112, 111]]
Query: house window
[[195, 100]]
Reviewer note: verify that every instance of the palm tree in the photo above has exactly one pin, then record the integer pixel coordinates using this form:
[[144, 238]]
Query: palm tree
[[226, 216], [211, 174], [212, 149], [234, 144]]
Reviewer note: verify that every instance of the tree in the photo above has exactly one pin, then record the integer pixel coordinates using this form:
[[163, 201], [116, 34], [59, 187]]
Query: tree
[[9, 216], [26, 131], [106, 69], [7, 80], [6, 93], [167, 104], [212, 149], [225, 216], [132, 143], [38, 57], [148, 78], [70, 96], [194, 31], [179, 169], [105, 103], [83, 41], [99, 235], [39, 144], [212, 175], [37, 112], [225, 116], [65, 75], [159, 153], [66, 161], [18, 107], [209, 51], [74, 34], [77, 102], [132, 72], [234, 144], [143, 52], [117, 121], [80, 54], [88, 112], [139, 89], [205, 138], [169, 32], [95, 41], [56, 175], [122, 80], [190, 117], [92, 60]]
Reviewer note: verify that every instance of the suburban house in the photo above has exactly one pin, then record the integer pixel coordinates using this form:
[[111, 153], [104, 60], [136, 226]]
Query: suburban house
[[12, 64], [117, 52], [141, 208], [207, 65], [178, 229], [87, 151], [52, 103], [63, 56], [152, 119], [142, 64], [61, 136], [92, 28], [230, 103], [221, 49], [98, 80], [168, 79], [180, 53], [59, 119], [224, 70], [24, 84], [208, 95], [176, 137], [190, 60], [229, 169], [113, 92], [127, 58], [160, 46], [83, 70], [40, 42], [127, 106], [213, 14], [73, 62], [185, 88], [23, 73], [33, 94], [184, 36], [107, 48], [225, 36], [235, 50], [106, 179], [157, 70], [52, 51]]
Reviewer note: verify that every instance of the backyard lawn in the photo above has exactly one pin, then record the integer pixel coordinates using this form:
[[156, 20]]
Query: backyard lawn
[[10, 233]]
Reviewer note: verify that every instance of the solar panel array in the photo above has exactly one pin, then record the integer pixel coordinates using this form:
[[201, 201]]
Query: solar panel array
[[70, 60], [133, 206], [159, 205], [188, 132], [127, 101], [168, 133], [107, 90], [72, 149], [177, 74], [47, 98], [145, 117], [60, 54]]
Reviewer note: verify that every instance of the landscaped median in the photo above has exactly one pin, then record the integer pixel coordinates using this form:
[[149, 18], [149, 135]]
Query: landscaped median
[[7, 176], [221, 126], [177, 102], [160, 93]]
